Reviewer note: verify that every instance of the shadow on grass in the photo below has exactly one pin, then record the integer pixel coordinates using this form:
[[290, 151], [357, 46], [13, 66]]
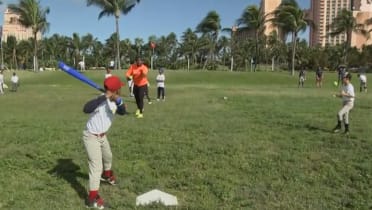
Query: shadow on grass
[[69, 171], [315, 128]]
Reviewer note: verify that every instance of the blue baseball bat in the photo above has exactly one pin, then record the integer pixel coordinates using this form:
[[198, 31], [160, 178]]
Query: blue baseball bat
[[73, 72]]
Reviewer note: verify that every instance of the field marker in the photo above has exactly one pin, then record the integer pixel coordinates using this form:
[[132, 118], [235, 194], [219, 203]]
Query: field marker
[[156, 196]]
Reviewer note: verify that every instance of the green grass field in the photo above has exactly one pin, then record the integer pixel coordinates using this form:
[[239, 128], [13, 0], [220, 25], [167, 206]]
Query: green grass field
[[268, 146]]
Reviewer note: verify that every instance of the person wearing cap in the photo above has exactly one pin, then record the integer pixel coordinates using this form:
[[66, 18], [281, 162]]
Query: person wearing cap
[[102, 110], [138, 71], [348, 95], [160, 79], [319, 77], [363, 82], [301, 78], [15, 82], [341, 70]]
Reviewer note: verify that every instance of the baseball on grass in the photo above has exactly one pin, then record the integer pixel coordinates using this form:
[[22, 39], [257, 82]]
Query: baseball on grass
[[335, 83], [225, 97]]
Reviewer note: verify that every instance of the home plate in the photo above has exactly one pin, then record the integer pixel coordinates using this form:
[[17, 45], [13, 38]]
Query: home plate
[[156, 196]]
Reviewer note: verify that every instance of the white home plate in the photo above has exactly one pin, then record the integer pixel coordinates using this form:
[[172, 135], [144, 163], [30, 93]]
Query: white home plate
[[156, 196]]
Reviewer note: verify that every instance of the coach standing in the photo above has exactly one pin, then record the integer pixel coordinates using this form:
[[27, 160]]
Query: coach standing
[[138, 71]]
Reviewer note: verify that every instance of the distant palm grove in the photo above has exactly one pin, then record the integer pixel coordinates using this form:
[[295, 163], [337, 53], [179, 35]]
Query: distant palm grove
[[208, 46]]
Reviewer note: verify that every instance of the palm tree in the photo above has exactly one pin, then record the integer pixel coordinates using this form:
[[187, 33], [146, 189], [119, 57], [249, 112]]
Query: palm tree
[[188, 46], [115, 8], [138, 42], [76, 45], [32, 15], [253, 19], [276, 48], [209, 27], [11, 44], [24, 53], [345, 23], [290, 18]]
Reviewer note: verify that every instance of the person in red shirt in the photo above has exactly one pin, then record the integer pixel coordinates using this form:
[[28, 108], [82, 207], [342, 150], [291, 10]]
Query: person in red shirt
[[138, 71]]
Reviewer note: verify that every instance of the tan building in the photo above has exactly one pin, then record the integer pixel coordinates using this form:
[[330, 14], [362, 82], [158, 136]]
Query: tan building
[[322, 12], [12, 27], [362, 10], [269, 6]]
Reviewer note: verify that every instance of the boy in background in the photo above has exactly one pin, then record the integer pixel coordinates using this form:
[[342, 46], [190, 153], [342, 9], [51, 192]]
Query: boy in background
[[348, 95], [1, 82], [130, 85], [15, 82], [160, 79], [319, 77], [108, 73], [363, 82], [301, 78]]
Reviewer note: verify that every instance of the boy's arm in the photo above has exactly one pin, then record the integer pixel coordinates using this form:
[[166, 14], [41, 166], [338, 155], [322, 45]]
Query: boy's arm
[[91, 105]]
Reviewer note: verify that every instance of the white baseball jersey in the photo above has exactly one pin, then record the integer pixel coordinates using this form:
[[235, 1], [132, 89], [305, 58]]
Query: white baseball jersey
[[160, 80], [101, 119], [349, 89], [1, 78], [363, 78], [14, 79]]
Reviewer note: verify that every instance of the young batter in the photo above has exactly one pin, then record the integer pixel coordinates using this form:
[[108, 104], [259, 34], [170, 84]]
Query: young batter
[[102, 110]]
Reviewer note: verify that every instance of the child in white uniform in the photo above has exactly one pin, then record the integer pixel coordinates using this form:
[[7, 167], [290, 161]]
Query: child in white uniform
[[348, 95]]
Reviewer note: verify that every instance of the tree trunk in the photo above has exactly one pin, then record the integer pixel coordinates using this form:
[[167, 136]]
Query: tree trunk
[[117, 63], [36, 66], [294, 42], [347, 45], [256, 52]]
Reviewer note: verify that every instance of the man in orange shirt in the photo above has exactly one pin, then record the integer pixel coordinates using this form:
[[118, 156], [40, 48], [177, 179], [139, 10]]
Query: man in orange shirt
[[138, 71]]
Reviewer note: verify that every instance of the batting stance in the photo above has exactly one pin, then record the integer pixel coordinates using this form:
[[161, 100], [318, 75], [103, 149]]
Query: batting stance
[[347, 94], [138, 71], [102, 110]]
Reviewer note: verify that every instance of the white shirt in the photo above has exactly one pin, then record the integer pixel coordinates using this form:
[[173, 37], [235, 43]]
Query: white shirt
[[349, 89], [1, 78], [130, 83], [363, 78], [14, 79], [160, 80], [101, 119]]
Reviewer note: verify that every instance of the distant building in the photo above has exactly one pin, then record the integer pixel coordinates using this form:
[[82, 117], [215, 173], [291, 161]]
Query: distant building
[[12, 27], [269, 6], [362, 10], [322, 12]]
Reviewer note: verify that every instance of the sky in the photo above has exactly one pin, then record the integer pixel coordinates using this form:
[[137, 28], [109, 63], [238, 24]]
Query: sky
[[149, 17]]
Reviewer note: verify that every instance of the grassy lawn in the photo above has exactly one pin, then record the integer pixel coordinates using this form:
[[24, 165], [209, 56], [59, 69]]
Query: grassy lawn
[[267, 146]]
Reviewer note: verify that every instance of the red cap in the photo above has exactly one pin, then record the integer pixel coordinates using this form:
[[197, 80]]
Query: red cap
[[113, 83]]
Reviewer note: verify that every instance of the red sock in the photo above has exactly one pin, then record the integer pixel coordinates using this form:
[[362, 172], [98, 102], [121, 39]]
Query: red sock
[[107, 173], [93, 194]]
